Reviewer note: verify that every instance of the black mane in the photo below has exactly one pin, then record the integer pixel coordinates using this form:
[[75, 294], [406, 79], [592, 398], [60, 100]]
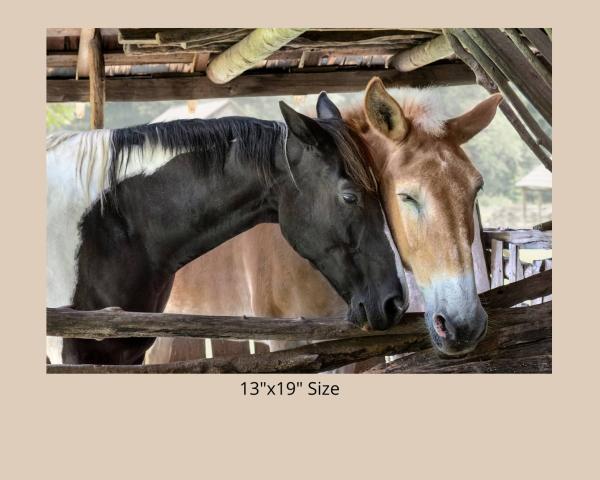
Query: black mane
[[211, 139]]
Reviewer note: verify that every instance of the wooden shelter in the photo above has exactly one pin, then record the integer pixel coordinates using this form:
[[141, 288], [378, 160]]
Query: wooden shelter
[[148, 64]]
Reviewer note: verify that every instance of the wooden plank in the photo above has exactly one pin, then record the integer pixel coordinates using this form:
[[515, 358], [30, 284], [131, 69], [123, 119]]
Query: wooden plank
[[97, 81], [540, 41], [514, 264], [185, 87], [497, 263], [324, 356], [512, 294], [540, 239]]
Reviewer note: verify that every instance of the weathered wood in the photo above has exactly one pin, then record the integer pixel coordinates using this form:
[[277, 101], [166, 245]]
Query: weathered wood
[[83, 62], [114, 323], [421, 55], [540, 41], [535, 62], [497, 262], [97, 81], [529, 288], [317, 357], [484, 79], [184, 87], [544, 226], [63, 32], [506, 56], [502, 78], [523, 238], [253, 48], [523, 348]]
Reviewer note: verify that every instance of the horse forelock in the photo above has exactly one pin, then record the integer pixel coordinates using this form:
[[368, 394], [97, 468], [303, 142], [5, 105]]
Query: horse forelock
[[356, 154]]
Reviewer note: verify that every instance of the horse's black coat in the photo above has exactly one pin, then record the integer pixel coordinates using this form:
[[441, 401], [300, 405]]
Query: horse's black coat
[[226, 176]]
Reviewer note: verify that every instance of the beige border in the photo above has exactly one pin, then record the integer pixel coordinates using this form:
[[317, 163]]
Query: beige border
[[401, 426]]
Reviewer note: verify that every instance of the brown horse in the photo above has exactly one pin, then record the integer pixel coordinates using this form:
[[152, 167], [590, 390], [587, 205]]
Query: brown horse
[[428, 187]]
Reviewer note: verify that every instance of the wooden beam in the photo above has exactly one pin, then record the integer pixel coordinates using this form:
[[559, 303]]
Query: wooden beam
[[185, 87], [253, 48], [489, 76], [322, 356], [540, 40], [522, 348], [97, 81], [544, 226], [532, 287], [536, 238], [421, 55], [83, 62], [63, 32]]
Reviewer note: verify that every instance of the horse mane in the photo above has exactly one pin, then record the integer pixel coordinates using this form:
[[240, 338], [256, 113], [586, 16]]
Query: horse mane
[[103, 156], [422, 107], [355, 152]]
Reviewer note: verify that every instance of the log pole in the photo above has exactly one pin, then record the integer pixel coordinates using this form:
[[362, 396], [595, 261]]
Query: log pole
[[421, 55], [257, 46], [97, 81]]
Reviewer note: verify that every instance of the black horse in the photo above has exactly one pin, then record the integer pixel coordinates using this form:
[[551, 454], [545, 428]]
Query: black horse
[[157, 196]]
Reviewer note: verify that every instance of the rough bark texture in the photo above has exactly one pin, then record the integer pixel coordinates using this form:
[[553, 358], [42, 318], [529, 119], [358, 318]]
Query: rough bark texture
[[328, 355], [257, 46], [421, 55], [522, 348]]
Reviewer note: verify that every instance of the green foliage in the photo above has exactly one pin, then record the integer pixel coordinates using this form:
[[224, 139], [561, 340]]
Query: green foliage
[[59, 115]]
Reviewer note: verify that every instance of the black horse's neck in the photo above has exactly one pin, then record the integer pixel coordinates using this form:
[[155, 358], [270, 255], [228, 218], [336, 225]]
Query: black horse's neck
[[150, 226]]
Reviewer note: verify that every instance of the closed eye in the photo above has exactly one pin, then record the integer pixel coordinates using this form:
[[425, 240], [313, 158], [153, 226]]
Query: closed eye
[[408, 199]]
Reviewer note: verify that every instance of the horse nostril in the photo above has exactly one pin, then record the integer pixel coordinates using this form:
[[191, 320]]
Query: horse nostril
[[439, 324]]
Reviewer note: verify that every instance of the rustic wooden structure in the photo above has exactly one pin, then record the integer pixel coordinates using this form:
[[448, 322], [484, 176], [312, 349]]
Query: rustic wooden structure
[[147, 64]]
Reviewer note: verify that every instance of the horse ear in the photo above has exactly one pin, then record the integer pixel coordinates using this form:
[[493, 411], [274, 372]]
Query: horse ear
[[326, 109], [383, 112], [469, 124], [304, 128]]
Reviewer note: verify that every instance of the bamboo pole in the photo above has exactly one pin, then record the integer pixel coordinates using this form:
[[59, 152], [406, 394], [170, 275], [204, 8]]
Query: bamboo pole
[[255, 47], [421, 55]]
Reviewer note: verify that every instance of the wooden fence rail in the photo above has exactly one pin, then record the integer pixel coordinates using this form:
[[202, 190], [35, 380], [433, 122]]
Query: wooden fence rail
[[351, 344], [324, 356]]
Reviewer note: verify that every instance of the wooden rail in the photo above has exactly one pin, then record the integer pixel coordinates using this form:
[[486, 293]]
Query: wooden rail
[[324, 356]]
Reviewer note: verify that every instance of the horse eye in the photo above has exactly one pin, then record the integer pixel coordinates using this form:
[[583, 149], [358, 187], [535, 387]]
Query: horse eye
[[350, 198], [407, 198]]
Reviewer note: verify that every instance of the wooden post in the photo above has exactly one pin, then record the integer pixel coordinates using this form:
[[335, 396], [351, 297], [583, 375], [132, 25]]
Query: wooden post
[[97, 81], [424, 54], [257, 46], [497, 263]]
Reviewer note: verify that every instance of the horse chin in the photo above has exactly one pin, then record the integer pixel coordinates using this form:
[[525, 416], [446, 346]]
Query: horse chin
[[357, 315]]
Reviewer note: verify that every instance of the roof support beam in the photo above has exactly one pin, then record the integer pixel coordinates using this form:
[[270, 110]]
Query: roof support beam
[[185, 87], [421, 55], [255, 47]]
